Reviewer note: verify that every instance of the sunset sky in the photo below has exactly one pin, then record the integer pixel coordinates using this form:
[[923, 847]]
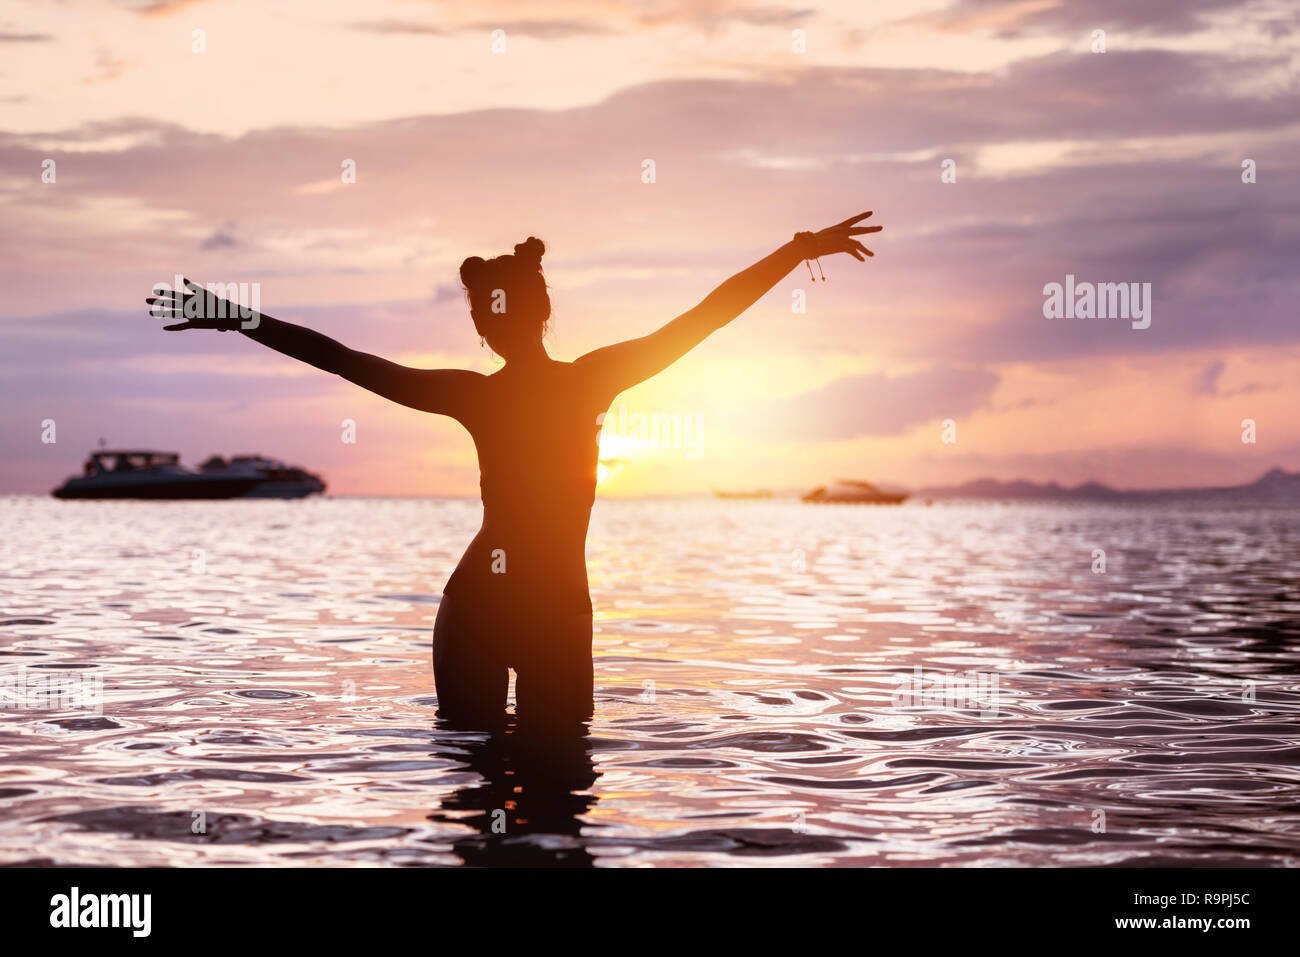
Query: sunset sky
[[1122, 166]]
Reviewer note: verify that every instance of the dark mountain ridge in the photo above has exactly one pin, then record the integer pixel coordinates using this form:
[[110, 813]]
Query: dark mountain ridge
[[1274, 487]]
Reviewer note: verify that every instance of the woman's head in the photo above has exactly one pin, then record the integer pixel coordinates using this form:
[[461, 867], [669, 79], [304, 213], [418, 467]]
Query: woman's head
[[508, 299]]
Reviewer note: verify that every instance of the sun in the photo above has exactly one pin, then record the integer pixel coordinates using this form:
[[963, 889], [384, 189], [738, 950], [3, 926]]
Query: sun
[[615, 452]]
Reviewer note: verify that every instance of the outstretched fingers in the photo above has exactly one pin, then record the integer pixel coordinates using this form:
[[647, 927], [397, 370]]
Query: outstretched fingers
[[195, 306], [164, 306], [853, 219], [169, 305]]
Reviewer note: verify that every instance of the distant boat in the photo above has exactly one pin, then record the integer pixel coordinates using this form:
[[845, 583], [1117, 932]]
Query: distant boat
[[851, 491], [147, 474], [275, 479], [141, 473], [756, 493]]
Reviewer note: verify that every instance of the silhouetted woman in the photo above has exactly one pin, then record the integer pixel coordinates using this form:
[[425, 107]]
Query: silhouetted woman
[[518, 599]]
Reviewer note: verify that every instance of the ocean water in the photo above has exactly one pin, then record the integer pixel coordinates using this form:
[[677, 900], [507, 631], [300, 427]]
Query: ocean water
[[249, 683]]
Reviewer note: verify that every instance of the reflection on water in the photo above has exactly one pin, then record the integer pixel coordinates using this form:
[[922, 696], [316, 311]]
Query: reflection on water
[[527, 804], [267, 693]]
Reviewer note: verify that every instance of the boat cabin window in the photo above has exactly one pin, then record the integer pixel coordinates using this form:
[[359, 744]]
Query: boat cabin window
[[130, 461]]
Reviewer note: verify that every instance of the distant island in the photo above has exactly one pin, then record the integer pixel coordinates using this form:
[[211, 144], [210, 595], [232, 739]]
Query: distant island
[[1274, 487]]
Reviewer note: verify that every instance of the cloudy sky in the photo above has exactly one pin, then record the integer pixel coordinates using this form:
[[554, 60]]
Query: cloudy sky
[[1122, 166]]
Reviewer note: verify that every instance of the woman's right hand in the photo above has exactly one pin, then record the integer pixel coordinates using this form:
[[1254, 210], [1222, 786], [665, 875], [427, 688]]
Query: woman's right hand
[[199, 308]]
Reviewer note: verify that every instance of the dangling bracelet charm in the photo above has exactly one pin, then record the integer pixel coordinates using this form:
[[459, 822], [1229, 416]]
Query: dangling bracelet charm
[[805, 245]]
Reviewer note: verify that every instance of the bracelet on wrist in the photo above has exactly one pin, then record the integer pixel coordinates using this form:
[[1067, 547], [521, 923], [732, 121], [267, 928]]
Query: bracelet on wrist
[[805, 244]]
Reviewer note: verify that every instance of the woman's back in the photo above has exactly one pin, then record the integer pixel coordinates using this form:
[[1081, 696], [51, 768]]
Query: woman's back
[[536, 431]]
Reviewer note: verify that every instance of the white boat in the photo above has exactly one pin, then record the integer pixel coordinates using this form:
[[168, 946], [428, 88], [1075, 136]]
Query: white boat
[[274, 478], [142, 473], [853, 492]]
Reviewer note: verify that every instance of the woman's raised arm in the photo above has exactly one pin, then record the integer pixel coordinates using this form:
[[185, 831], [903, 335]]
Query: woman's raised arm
[[622, 365], [443, 391]]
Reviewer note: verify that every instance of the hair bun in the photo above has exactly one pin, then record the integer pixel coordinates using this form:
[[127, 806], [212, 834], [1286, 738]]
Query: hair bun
[[471, 268], [531, 249]]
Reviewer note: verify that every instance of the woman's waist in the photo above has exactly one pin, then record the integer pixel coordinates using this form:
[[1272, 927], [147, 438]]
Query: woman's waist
[[538, 492], [553, 529], [527, 555], [503, 588]]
